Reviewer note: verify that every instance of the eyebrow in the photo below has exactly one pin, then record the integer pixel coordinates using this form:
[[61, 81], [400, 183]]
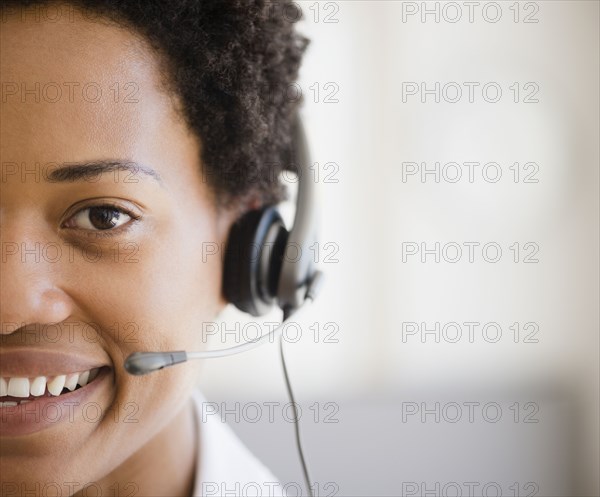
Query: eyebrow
[[91, 170]]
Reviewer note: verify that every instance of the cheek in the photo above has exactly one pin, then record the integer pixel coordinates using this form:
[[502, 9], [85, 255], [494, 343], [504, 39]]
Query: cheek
[[152, 291], [156, 301], [159, 288]]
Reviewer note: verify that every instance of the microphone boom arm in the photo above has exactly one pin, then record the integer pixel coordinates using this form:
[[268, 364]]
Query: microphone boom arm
[[141, 363]]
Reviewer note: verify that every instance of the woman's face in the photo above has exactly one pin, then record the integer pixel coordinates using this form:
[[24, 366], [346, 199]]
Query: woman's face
[[105, 226]]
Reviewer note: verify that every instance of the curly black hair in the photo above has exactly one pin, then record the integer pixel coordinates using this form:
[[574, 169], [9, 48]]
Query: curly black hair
[[231, 63]]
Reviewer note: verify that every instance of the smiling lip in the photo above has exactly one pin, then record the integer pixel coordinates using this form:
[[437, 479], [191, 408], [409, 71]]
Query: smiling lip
[[22, 414], [46, 411], [31, 363]]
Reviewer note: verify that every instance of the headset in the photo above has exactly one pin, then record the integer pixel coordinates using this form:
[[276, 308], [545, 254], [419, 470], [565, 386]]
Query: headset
[[259, 273]]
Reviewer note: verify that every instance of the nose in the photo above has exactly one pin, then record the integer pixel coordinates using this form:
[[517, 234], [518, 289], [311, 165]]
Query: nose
[[29, 293]]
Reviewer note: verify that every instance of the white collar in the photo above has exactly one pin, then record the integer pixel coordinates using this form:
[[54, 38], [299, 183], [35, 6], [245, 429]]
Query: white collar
[[224, 465]]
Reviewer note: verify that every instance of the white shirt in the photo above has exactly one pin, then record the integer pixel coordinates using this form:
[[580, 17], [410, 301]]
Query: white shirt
[[225, 465]]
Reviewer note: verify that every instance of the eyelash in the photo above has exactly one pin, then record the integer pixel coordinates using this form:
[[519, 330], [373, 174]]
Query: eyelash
[[108, 233]]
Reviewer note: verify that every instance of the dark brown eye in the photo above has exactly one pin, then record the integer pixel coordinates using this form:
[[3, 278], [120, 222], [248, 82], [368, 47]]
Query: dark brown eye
[[99, 218], [104, 218]]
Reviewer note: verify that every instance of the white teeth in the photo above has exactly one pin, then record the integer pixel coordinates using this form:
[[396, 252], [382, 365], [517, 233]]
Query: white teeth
[[8, 404], [93, 374], [18, 387], [56, 385], [38, 386], [84, 378], [71, 381]]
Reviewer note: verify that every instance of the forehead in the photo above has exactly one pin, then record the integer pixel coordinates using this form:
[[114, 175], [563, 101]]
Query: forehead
[[77, 90], [76, 87]]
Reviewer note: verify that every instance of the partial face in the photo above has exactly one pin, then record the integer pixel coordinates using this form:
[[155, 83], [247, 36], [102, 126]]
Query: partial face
[[95, 266]]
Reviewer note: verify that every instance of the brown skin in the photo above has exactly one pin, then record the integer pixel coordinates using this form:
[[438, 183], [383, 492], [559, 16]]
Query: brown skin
[[166, 294]]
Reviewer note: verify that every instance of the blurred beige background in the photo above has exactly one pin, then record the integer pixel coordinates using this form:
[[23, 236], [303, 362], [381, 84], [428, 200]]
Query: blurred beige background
[[376, 367]]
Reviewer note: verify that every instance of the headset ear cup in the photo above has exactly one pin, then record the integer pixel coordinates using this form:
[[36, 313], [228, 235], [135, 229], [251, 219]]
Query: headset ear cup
[[253, 260]]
